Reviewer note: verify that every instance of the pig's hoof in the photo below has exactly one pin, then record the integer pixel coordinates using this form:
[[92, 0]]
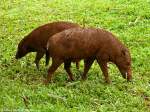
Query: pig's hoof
[[84, 78], [37, 65], [108, 81], [38, 68], [130, 80], [70, 80], [46, 82]]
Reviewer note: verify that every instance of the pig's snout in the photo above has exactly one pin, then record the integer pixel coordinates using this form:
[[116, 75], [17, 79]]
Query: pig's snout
[[17, 56], [127, 75]]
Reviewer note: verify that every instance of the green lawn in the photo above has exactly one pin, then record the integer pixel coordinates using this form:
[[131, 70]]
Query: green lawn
[[21, 87]]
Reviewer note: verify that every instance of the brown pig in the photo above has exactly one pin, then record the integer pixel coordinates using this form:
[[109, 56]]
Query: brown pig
[[88, 44], [36, 40]]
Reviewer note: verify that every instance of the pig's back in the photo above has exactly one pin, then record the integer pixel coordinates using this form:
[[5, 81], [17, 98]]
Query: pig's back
[[82, 42], [75, 42], [40, 35]]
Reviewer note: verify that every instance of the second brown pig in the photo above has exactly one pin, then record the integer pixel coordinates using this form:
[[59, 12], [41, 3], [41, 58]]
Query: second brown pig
[[36, 40]]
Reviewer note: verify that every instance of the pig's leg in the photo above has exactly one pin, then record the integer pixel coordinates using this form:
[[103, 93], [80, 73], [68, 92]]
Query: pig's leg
[[67, 65], [39, 55], [47, 58], [55, 64], [77, 64], [104, 68], [87, 65]]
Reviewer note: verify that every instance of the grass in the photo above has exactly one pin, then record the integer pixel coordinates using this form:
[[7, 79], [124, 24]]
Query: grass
[[21, 87]]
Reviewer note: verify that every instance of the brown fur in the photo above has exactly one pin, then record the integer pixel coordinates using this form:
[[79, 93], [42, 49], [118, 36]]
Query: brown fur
[[88, 44], [36, 41]]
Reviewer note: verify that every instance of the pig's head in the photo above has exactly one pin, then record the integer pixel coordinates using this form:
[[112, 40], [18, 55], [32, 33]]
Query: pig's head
[[123, 62], [22, 50]]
